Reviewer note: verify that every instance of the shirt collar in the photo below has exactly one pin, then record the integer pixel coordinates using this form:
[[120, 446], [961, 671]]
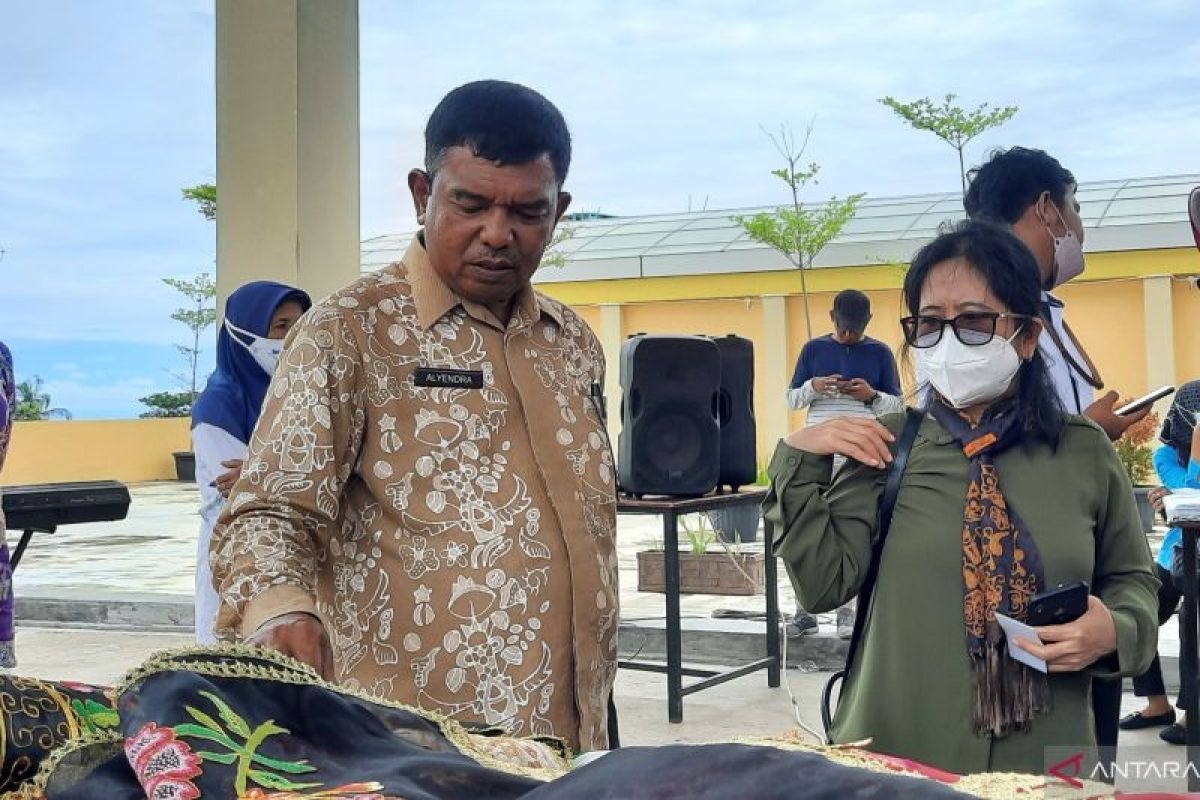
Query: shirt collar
[[434, 299], [1051, 301]]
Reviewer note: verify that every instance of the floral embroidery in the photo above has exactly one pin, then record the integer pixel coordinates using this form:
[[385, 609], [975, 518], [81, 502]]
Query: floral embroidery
[[240, 745], [164, 765]]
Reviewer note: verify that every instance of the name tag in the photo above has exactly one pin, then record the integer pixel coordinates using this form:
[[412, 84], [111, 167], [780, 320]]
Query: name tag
[[449, 378]]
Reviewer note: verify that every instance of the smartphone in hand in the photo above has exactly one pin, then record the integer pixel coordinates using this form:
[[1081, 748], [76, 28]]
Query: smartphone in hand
[[1057, 606]]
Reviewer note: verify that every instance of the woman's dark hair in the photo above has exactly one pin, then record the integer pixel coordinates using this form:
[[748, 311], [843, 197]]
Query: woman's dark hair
[[1012, 275], [1010, 181], [505, 123]]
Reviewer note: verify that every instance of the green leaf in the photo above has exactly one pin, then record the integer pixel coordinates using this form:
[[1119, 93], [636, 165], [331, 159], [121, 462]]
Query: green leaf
[[206, 720], [220, 758], [269, 728], [200, 732], [235, 723], [272, 781], [294, 767]]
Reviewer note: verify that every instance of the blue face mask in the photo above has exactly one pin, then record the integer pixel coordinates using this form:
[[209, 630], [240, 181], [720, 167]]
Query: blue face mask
[[264, 351]]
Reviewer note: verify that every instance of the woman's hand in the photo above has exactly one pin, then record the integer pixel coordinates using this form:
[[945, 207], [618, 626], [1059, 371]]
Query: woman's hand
[[225, 481], [864, 440], [1076, 645], [1156, 495]]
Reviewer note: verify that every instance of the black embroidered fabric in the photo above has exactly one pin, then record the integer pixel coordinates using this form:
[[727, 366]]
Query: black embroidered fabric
[[225, 724]]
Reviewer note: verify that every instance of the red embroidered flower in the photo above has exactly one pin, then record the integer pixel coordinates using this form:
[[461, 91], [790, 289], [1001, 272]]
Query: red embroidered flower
[[164, 765]]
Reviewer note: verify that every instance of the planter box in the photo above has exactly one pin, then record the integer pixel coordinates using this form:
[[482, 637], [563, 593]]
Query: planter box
[[711, 573], [185, 465], [1145, 509], [739, 523]]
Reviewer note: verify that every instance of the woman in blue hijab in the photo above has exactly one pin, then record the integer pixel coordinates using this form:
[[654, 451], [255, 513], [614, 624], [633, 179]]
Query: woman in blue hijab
[[257, 318]]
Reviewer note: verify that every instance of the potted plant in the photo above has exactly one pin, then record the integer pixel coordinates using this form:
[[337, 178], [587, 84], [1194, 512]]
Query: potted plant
[[164, 405], [703, 570], [1138, 459]]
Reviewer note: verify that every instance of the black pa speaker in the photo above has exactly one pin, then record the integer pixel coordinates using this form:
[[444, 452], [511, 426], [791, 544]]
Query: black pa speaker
[[670, 438], [739, 462]]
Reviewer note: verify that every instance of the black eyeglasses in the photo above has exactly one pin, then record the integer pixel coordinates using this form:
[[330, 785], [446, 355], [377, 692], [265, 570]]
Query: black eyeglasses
[[973, 328]]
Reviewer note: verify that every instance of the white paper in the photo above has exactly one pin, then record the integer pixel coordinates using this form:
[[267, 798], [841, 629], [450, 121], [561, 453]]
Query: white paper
[[1014, 630], [1182, 505]]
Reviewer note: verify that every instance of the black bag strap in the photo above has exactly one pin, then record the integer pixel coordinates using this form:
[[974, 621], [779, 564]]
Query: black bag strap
[[891, 489]]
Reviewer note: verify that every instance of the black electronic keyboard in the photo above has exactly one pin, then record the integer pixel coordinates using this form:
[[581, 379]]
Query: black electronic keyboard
[[41, 508]]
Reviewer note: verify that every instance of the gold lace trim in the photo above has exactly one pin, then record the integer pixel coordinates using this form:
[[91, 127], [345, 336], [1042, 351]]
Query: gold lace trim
[[35, 787], [285, 669], [984, 785]]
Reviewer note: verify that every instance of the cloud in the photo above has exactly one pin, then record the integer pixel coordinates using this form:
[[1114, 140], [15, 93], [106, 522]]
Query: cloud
[[108, 110]]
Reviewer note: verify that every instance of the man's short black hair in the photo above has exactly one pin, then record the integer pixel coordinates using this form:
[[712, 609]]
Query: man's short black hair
[[1010, 181], [851, 310], [503, 122]]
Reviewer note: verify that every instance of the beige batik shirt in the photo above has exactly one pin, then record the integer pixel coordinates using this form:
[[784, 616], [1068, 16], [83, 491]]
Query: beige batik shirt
[[457, 542]]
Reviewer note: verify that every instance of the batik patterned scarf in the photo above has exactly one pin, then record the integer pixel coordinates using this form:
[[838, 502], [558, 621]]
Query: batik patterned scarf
[[1002, 571]]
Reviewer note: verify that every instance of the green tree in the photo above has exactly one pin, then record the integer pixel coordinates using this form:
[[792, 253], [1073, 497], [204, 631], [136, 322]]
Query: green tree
[[798, 231], [197, 316], [167, 404], [950, 122], [33, 402], [204, 195], [553, 257]]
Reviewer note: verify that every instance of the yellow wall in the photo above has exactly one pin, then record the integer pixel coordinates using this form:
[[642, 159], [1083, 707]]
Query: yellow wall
[[1109, 319], [1185, 298], [124, 450]]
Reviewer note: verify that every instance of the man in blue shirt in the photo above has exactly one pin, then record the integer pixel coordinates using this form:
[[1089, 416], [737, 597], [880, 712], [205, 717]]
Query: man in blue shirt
[[843, 374]]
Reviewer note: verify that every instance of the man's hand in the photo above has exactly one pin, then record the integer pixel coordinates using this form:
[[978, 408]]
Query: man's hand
[[864, 440], [826, 385], [301, 636], [860, 390], [1076, 645], [1101, 412], [225, 481]]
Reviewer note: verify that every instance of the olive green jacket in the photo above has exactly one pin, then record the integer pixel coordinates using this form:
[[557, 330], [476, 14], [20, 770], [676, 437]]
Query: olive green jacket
[[909, 688]]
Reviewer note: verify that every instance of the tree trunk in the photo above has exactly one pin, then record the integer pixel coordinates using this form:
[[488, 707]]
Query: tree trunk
[[195, 359], [962, 173], [807, 312]]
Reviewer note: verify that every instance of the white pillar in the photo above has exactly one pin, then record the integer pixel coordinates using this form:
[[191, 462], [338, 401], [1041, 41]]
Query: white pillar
[[612, 336], [772, 406], [1160, 333], [287, 143]]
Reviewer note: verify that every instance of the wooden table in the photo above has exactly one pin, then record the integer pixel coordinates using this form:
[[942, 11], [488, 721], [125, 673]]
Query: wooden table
[[670, 509]]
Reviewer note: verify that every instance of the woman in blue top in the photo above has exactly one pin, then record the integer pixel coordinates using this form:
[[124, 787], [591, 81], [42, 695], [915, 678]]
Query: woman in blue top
[[1178, 465], [257, 317]]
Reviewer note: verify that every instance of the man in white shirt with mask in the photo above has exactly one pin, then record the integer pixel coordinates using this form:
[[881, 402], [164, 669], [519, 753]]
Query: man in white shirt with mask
[[1033, 194]]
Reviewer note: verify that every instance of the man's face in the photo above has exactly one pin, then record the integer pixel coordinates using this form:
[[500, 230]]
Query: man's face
[[486, 225], [847, 331], [850, 335]]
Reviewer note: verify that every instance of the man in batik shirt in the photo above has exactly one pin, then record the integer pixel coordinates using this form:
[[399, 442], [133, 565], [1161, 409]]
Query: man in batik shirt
[[427, 510]]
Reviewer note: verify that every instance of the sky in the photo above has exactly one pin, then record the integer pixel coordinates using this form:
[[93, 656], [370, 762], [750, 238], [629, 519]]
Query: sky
[[107, 109]]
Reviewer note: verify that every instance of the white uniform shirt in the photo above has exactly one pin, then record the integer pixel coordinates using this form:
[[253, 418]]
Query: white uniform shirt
[[1075, 392], [212, 445]]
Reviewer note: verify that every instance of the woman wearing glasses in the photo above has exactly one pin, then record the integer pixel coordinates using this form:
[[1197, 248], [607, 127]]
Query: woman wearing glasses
[[1004, 496]]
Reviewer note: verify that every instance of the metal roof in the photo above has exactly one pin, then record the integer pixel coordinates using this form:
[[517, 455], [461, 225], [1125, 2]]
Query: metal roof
[[1135, 214]]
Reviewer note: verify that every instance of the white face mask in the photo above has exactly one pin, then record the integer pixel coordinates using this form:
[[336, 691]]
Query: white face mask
[[967, 376], [263, 350], [1068, 254]]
